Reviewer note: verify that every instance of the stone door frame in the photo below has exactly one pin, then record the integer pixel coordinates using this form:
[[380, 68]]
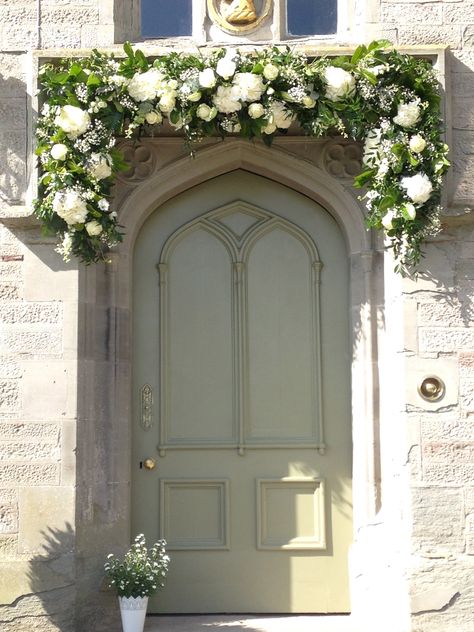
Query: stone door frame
[[161, 170]]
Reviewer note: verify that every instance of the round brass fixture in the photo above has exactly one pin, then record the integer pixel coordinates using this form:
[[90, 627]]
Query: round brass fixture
[[149, 464], [432, 388]]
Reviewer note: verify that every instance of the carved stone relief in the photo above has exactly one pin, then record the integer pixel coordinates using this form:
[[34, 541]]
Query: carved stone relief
[[238, 16], [340, 158]]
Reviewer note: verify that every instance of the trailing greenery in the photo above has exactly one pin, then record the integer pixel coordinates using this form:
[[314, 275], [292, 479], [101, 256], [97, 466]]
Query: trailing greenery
[[386, 99], [141, 572]]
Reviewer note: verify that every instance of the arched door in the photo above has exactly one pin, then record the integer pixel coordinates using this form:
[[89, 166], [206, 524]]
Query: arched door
[[241, 397]]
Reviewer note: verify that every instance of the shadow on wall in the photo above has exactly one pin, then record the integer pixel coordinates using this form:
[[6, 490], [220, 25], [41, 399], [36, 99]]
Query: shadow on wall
[[13, 139], [51, 577]]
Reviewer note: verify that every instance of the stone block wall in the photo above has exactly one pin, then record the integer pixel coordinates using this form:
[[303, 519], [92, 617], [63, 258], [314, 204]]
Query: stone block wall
[[43, 498]]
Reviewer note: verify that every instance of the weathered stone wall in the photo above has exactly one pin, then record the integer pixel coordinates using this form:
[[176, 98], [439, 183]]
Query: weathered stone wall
[[61, 508]]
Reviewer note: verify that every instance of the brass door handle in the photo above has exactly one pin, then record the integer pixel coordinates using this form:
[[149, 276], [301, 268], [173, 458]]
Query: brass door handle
[[149, 464]]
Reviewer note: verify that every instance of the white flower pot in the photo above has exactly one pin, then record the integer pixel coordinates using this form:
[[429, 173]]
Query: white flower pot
[[133, 612]]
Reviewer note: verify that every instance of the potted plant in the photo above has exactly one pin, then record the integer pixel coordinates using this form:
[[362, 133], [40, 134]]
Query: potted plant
[[138, 575]]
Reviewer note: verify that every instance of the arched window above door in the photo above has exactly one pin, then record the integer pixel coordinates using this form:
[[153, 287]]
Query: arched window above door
[[266, 19]]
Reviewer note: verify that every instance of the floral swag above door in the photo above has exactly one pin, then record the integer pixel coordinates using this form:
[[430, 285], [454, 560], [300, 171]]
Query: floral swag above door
[[387, 99]]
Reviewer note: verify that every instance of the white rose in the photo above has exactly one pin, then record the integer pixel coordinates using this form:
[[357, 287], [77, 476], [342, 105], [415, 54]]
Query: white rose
[[271, 72], [227, 99], [100, 167], [145, 86], [408, 114], [226, 67], [410, 210], [250, 86], [69, 205], [207, 78], [256, 110], [280, 116], [371, 147], [153, 118], [93, 228], [167, 102], [418, 188], [206, 113], [340, 83], [194, 96], [308, 102], [103, 204], [269, 128], [59, 151], [72, 120], [387, 219], [417, 144]]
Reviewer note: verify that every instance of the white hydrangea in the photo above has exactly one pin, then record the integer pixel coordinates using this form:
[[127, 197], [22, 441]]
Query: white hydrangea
[[408, 113], [250, 86], [227, 100], [145, 86], [417, 144], [99, 166], [69, 205], [418, 187], [72, 120], [339, 83]]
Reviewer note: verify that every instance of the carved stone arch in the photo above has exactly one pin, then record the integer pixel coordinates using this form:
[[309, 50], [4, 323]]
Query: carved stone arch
[[114, 285], [273, 164]]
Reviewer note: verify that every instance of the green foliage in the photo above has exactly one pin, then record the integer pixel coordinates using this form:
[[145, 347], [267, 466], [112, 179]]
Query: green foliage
[[141, 572], [388, 100]]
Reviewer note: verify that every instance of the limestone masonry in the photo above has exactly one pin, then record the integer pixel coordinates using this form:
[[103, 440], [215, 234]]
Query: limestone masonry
[[65, 360]]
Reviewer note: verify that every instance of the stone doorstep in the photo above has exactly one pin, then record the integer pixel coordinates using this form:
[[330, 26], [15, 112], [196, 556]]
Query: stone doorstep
[[250, 623]]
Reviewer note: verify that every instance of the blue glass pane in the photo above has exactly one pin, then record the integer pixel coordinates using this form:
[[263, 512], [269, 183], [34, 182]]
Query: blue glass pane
[[166, 18], [311, 17]]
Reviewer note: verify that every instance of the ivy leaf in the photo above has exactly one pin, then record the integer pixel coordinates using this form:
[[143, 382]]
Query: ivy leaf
[[363, 178], [75, 70], [59, 78], [93, 80], [359, 52], [129, 51]]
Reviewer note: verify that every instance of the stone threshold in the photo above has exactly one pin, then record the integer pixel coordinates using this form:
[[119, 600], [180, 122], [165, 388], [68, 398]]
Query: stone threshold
[[250, 623]]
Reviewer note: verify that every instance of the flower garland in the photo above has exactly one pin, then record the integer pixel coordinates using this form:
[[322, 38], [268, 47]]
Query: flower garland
[[379, 96]]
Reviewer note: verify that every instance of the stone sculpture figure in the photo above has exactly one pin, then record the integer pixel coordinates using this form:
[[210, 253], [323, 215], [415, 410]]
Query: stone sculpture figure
[[239, 11]]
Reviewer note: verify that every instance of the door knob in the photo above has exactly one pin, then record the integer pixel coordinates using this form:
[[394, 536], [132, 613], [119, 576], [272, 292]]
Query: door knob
[[149, 464]]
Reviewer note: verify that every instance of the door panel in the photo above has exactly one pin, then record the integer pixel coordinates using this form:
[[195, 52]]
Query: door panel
[[240, 330]]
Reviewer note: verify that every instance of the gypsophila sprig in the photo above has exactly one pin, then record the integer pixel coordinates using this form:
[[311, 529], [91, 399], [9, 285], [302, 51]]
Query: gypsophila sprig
[[385, 99], [141, 572]]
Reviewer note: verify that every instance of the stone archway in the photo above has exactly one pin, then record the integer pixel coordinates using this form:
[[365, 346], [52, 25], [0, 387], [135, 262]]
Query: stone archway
[[166, 171]]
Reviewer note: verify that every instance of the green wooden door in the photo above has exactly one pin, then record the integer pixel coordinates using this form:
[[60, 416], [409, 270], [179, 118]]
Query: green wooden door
[[241, 396]]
